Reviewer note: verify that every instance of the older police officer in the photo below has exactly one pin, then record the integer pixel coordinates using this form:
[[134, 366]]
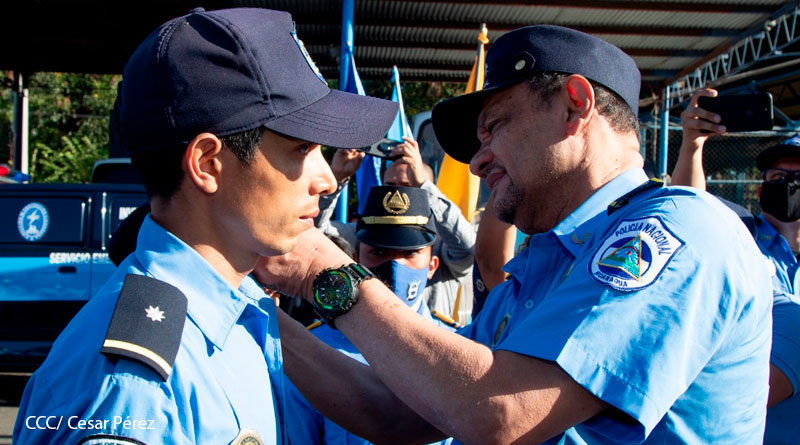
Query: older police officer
[[630, 318], [223, 112]]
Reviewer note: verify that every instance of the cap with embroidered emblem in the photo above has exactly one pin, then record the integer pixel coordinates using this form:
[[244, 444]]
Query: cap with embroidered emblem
[[518, 54], [232, 70], [397, 218]]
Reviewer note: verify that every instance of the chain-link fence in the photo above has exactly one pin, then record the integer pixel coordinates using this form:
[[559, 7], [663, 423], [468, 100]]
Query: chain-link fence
[[728, 161]]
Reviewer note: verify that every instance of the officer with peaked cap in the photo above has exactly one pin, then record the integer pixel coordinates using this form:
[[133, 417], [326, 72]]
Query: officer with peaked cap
[[395, 239], [455, 246], [223, 113], [629, 318], [777, 233]]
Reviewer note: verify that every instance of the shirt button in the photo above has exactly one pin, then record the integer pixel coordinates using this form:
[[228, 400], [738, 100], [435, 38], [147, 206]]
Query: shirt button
[[528, 304]]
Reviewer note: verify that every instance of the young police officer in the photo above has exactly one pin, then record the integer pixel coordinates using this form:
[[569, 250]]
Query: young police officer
[[777, 233], [223, 112], [630, 318]]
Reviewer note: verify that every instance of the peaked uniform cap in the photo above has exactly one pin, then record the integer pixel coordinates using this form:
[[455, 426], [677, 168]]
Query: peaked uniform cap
[[398, 218], [231, 70], [518, 54], [790, 148]]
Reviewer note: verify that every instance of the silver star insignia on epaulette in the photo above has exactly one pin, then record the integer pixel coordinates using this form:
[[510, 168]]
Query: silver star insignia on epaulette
[[154, 313]]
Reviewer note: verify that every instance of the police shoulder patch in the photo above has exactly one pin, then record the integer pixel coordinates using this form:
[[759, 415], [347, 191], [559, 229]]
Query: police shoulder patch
[[635, 253], [147, 323]]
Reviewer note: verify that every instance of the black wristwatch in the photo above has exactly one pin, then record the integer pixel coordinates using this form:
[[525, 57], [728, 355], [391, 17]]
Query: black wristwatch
[[336, 290]]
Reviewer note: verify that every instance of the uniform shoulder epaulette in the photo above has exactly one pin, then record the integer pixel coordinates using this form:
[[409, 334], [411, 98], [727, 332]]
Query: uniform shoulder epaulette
[[147, 323], [445, 319], [623, 200]]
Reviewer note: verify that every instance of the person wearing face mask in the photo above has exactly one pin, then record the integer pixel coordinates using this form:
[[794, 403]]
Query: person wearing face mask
[[395, 238], [777, 234], [455, 246]]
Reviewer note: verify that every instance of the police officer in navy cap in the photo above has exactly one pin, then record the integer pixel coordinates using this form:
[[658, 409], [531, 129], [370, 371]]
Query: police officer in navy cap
[[630, 318], [777, 233], [223, 113], [395, 238]]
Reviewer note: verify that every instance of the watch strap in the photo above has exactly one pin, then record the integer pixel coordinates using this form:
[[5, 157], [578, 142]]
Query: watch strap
[[357, 273]]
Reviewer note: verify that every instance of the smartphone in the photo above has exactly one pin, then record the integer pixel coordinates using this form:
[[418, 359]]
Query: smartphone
[[741, 112], [381, 149]]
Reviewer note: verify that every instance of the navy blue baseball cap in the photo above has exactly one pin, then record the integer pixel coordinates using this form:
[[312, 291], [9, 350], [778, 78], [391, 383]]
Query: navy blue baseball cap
[[768, 156], [232, 70], [398, 218], [514, 57]]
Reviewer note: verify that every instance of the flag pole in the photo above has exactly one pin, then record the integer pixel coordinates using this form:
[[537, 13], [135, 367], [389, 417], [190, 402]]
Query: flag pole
[[345, 50], [483, 38], [403, 120]]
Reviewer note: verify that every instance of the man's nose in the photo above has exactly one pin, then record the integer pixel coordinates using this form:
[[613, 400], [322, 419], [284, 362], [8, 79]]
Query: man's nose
[[323, 183], [481, 161]]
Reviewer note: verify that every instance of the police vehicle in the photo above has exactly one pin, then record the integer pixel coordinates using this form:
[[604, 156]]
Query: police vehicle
[[53, 258]]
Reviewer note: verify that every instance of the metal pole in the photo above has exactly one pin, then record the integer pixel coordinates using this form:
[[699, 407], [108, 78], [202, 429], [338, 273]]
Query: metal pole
[[404, 130], [20, 155], [663, 136], [348, 7], [478, 81]]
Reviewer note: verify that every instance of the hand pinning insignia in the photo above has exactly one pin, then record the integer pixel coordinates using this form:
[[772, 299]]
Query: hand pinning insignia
[[580, 241], [154, 313]]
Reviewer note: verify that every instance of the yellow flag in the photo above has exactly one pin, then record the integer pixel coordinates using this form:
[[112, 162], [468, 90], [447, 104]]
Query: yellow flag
[[455, 180]]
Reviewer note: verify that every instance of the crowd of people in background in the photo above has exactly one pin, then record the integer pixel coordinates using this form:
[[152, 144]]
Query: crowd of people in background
[[632, 313]]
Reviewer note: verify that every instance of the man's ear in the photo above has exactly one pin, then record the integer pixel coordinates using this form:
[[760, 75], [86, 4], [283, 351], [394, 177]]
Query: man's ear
[[579, 97], [202, 162], [433, 266]]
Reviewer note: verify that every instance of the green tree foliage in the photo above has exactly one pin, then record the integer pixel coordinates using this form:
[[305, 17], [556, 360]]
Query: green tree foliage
[[69, 115], [69, 118], [6, 113]]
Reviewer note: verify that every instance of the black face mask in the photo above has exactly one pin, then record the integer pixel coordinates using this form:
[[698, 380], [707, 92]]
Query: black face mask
[[781, 200]]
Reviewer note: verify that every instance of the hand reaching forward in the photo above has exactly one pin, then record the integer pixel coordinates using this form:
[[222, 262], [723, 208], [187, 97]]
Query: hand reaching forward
[[294, 272]]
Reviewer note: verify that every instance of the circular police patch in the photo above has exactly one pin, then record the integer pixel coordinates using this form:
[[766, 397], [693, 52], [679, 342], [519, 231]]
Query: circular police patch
[[32, 221], [634, 254]]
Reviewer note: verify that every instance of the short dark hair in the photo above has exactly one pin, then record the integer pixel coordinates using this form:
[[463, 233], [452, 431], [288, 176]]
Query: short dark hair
[[161, 170], [608, 104]]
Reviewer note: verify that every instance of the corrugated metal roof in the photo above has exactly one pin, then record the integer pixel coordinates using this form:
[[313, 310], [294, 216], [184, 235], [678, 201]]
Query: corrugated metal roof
[[426, 39]]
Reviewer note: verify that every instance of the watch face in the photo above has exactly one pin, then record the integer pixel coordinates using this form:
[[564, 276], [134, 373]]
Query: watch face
[[332, 289]]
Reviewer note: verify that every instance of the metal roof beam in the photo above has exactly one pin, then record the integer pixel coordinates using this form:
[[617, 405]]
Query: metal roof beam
[[501, 28], [724, 7], [777, 34]]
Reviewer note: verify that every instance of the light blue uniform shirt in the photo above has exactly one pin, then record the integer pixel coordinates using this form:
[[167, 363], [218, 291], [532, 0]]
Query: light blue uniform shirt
[[304, 424], [227, 376], [783, 419], [656, 309]]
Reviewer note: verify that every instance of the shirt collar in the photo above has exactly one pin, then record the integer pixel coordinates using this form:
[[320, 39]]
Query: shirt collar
[[766, 232], [772, 240], [569, 231], [212, 303]]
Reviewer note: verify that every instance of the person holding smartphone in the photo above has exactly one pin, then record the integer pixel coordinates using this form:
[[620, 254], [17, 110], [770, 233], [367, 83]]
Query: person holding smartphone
[[778, 236], [456, 244]]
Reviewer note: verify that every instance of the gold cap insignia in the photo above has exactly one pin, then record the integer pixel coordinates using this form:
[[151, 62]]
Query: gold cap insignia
[[396, 203]]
